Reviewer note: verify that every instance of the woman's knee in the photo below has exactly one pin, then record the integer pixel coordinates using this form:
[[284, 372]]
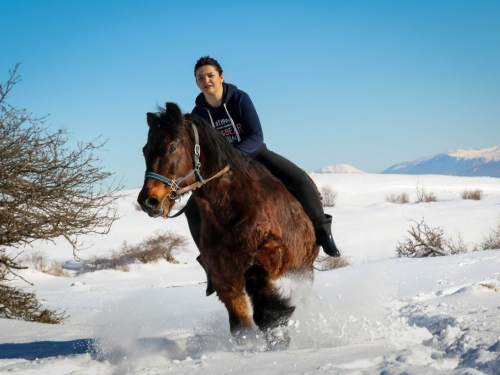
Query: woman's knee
[[299, 181]]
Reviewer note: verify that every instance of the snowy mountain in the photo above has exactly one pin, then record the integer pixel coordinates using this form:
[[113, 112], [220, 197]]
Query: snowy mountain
[[339, 168], [470, 162]]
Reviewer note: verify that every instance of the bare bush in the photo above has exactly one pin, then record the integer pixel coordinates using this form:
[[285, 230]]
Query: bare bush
[[15, 303], [47, 190], [161, 246], [113, 262], [423, 196], [400, 199], [456, 245], [50, 191], [429, 242], [36, 259], [39, 262], [54, 268], [329, 196], [330, 263], [492, 240], [476, 194]]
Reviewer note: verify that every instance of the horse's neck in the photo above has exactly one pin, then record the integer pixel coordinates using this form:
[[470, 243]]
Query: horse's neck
[[208, 158], [216, 189]]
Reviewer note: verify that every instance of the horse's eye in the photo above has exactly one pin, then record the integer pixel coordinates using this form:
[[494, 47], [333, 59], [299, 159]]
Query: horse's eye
[[172, 147]]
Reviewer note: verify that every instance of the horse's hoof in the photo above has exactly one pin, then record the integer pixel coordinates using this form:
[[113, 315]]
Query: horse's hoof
[[277, 339], [240, 337], [249, 340]]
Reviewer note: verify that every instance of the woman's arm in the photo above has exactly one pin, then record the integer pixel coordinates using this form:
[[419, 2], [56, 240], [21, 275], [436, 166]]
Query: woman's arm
[[254, 137]]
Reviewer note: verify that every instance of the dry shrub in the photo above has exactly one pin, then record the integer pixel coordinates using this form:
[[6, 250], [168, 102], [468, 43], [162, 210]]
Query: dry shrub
[[425, 241], [423, 196], [113, 262], [456, 245], [36, 259], [162, 245], [53, 189], [55, 269], [39, 262], [159, 246], [329, 196], [15, 303], [492, 240], [330, 263], [400, 199], [476, 194]]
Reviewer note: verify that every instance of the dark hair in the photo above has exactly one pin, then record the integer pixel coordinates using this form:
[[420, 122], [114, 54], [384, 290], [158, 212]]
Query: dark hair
[[207, 60]]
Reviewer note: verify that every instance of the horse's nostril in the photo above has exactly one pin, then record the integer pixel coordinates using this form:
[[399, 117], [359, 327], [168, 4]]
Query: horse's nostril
[[152, 202]]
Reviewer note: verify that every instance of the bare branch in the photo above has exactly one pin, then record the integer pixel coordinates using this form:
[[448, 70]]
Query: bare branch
[[47, 190], [428, 242]]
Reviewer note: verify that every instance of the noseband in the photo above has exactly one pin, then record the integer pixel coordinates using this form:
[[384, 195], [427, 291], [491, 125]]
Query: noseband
[[175, 190]]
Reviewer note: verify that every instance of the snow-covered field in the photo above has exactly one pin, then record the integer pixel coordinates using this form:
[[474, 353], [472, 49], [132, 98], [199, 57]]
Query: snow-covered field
[[380, 315]]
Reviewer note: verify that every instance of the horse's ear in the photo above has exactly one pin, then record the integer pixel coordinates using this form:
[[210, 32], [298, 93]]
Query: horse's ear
[[151, 118], [174, 113]]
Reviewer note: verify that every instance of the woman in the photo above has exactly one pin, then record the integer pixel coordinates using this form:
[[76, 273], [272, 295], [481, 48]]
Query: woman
[[231, 111]]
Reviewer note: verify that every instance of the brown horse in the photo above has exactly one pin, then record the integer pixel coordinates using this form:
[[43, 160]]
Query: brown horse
[[253, 230]]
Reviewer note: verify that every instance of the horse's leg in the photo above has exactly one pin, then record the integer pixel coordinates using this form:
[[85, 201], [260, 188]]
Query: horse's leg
[[236, 302], [271, 309]]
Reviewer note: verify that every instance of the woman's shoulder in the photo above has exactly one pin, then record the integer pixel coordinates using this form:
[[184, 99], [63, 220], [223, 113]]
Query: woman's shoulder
[[234, 93]]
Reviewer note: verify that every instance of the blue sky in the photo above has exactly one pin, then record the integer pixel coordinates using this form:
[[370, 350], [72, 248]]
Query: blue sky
[[366, 83]]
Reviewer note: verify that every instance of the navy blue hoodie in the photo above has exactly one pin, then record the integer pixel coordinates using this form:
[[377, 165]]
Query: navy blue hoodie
[[236, 119]]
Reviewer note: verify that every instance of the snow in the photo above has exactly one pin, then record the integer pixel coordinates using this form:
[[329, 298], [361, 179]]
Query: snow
[[339, 168], [488, 154], [381, 314]]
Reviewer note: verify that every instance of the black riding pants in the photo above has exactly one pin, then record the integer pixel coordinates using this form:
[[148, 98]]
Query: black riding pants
[[294, 178]]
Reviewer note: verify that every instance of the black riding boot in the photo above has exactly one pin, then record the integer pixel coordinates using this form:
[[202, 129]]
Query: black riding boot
[[210, 287], [324, 238]]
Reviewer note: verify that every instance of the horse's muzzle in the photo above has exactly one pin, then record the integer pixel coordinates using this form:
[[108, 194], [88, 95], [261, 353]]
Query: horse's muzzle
[[152, 206]]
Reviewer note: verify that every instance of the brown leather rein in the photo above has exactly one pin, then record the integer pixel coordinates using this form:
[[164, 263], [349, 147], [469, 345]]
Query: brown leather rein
[[199, 184]]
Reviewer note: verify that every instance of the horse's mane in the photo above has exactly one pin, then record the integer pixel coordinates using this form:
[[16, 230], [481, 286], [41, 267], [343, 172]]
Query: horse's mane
[[226, 153]]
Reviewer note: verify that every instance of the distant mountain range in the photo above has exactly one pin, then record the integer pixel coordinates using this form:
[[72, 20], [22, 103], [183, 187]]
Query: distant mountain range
[[339, 168], [470, 162]]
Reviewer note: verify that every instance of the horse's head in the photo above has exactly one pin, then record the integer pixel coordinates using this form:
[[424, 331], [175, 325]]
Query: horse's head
[[169, 155]]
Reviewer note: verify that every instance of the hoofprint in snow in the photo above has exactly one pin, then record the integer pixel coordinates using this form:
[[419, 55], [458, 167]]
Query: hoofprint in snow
[[381, 314]]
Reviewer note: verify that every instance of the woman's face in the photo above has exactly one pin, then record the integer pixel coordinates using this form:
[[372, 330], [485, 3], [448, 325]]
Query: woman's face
[[209, 80]]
